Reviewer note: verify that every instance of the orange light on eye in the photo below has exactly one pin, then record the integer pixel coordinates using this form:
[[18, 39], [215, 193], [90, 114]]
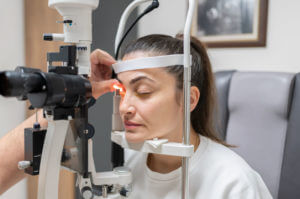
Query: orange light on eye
[[120, 88], [117, 87]]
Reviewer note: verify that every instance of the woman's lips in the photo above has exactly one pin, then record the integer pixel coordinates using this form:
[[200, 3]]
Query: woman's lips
[[131, 125]]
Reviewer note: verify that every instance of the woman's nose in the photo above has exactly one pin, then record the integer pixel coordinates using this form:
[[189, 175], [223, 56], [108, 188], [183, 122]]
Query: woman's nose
[[126, 106]]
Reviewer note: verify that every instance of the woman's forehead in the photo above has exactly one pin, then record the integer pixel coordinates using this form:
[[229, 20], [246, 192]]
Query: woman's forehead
[[155, 75]]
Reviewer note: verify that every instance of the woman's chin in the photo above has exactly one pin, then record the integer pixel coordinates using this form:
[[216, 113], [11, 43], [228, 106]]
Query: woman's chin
[[134, 137]]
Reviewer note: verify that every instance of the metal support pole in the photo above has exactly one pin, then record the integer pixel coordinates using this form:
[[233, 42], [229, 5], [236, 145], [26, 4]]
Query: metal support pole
[[186, 135], [187, 85]]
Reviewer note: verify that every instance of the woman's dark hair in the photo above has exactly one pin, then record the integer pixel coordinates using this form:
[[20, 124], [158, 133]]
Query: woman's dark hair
[[201, 76]]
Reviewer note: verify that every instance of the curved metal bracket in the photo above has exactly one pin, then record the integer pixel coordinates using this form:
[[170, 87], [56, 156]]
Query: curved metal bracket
[[124, 18], [51, 158]]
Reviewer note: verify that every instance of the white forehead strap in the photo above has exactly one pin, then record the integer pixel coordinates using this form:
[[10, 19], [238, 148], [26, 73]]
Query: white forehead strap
[[149, 62]]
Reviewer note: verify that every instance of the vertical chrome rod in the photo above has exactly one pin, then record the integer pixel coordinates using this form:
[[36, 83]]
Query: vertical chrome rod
[[187, 85]]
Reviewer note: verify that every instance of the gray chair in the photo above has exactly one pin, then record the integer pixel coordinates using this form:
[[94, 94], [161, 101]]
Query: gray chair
[[290, 174], [222, 80], [258, 112]]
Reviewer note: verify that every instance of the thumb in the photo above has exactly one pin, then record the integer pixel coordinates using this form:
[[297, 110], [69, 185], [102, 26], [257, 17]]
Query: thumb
[[102, 87]]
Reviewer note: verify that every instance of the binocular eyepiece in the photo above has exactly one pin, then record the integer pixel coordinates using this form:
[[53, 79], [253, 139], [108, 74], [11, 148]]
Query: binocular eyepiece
[[17, 84], [45, 89]]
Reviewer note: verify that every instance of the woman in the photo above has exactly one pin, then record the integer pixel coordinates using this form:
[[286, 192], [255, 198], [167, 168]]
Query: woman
[[152, 107]]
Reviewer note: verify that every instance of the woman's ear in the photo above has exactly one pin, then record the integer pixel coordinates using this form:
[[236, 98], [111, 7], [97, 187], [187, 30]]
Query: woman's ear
[[195, 96]]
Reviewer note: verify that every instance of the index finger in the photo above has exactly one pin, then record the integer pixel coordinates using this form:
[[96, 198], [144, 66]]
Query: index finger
[[101, 57]]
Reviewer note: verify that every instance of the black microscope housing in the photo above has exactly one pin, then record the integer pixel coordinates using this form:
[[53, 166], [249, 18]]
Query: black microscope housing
[[61, 92]]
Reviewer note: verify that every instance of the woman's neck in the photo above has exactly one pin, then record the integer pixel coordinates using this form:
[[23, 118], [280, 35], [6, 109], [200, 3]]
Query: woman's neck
[[165, 163]]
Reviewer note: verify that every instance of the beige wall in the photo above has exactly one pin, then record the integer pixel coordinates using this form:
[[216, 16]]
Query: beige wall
[[283, 40]]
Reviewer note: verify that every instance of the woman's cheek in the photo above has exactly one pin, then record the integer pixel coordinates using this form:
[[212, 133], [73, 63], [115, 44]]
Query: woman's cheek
[[155, 114]]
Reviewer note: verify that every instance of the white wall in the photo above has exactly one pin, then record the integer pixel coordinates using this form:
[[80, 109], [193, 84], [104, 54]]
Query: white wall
[[283, 37], [12, 112]]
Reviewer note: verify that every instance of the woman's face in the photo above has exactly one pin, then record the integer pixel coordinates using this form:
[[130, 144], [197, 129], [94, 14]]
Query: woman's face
[[149, 108]]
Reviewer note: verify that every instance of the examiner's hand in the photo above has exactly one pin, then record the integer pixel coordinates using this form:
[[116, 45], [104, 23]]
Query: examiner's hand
[[101, 72]]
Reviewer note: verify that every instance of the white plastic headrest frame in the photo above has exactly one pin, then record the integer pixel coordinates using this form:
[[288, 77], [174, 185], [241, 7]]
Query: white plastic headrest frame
[[149, 62]]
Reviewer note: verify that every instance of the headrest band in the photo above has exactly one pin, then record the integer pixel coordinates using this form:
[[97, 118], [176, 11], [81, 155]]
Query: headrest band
[[149, 62]]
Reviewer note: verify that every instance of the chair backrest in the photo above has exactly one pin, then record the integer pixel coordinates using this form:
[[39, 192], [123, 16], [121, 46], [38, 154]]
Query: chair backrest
[[258, 122], [222, 80], [290, 173]]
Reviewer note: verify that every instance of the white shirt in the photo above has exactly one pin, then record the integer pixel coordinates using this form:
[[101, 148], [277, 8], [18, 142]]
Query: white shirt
[[216, 172]]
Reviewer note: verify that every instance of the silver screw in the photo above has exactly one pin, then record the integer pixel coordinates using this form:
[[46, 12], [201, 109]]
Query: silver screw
[[104, 191], [24, 165], [87, 194]]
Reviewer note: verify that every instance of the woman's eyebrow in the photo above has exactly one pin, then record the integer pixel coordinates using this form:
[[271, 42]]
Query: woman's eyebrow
[[139, 78], [133, 81]]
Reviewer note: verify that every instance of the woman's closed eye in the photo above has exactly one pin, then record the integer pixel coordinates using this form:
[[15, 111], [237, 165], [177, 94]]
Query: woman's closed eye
[[143, 91]]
